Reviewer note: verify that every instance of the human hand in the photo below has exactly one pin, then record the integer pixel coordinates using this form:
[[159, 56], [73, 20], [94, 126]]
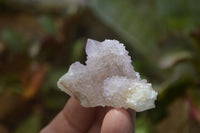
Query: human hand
[[75, 118]]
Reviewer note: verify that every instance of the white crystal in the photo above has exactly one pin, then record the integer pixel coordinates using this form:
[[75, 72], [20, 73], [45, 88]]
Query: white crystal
[[107, 79]]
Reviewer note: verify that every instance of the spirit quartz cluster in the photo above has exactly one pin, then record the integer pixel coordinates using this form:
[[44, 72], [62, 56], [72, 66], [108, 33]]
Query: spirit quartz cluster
[[107, 79]]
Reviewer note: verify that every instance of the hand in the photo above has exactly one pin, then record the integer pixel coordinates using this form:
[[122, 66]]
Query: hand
[[76, 119]]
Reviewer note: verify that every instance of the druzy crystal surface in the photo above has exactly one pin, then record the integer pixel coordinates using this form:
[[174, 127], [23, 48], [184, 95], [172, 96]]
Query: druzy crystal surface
[[107, 79]]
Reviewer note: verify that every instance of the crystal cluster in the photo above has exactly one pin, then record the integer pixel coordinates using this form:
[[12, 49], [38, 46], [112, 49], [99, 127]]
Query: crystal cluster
[[107, 79]]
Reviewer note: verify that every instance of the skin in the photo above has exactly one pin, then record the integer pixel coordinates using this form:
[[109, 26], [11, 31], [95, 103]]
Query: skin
[[75, 118]]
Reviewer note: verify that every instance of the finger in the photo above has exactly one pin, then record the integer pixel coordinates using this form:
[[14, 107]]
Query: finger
[[96, 126], [132, 115], [117, 121], [72, 119]]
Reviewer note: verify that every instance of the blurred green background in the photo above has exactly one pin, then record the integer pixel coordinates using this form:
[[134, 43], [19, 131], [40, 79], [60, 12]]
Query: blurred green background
[[39, 39]]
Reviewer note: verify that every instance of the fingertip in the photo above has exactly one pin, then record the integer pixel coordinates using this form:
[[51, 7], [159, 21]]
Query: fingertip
[[78, 115], [117, 121]]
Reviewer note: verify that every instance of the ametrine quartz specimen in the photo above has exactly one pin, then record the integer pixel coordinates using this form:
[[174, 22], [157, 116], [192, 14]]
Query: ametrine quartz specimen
[[107, 79]]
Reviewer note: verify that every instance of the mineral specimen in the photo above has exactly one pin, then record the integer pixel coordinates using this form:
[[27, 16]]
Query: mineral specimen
[[107, 79]]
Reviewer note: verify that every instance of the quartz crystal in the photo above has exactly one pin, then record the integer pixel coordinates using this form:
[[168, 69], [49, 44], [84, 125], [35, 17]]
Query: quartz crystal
[[107, 79]]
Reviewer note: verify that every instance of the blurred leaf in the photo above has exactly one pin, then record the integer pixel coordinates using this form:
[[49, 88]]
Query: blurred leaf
[[174, 49], [170, 59], [183, 75], [48, 24], [134, 21], [14, 40], [31, 125]]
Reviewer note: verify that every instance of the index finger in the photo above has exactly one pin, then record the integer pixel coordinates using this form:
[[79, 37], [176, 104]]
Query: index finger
[[74, 118]]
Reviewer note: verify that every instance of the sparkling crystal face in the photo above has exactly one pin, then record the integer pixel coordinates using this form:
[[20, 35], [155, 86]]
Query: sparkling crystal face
[[107, 79]]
